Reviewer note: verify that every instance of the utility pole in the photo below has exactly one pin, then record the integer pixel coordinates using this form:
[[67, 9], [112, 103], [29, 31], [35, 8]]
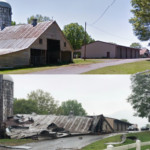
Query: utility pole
[[85, 44]]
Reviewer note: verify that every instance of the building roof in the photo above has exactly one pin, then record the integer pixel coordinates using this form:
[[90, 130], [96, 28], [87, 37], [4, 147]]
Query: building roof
[[7, 77], [95, 42], [143, 51], [21, 37], [117, 120], [4, 3]]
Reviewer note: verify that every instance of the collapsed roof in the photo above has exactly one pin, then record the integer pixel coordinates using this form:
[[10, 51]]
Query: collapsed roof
[[55, 126]]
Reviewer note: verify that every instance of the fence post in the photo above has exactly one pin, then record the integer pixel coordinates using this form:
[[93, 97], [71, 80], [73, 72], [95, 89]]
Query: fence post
[[138, 145], [110, 147]]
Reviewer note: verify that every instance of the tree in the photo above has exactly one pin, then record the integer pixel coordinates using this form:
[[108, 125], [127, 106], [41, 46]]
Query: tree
[[124, 120], [39, 18], [136, 45], [141, 19], [140, 96], [72, 106], [76, 35], [45, 102], [13, 23], [23, 106]]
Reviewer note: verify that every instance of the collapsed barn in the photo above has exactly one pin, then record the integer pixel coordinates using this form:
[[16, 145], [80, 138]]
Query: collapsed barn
[[52, 126], [33, 45]]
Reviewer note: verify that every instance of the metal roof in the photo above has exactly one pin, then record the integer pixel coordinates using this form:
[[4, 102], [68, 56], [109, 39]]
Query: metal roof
[[4, 3], [21, 37], [71, 124]]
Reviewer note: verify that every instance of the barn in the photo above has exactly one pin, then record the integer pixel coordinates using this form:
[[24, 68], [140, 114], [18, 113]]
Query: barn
[[33, 45], [99, 49]]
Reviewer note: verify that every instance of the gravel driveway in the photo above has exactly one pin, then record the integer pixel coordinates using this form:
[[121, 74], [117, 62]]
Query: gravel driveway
[[70, 143], [78, 69]]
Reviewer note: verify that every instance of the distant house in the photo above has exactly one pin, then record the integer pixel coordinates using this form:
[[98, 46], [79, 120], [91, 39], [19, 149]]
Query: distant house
[[33, 45], [101, 49], [144, 53]]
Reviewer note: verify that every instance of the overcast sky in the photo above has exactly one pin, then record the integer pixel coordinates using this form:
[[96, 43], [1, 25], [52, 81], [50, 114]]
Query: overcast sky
[[102, 94], [114, 26]]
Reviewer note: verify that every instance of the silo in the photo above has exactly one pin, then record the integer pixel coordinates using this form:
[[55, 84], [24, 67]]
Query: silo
[[5, 14], [6, 97], [8, 87]]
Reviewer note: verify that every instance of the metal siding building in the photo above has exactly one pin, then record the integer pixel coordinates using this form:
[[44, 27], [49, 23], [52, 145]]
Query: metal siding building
[[101, 49], [25, 45]]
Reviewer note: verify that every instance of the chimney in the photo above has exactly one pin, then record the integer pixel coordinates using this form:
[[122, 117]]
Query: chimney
[[3, 26], [34, 22]]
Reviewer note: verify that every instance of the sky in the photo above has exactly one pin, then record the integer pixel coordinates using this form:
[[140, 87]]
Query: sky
[[113, 27], [99, 94]]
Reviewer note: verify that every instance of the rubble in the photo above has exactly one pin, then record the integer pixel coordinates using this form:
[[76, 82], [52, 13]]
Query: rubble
[[51, 126]]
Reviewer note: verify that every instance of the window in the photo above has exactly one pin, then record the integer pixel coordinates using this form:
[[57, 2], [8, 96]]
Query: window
[[65, 44], [40, 41]]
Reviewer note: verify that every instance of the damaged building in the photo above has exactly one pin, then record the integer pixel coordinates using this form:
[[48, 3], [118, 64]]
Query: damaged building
[[6, 97], [52, 126]]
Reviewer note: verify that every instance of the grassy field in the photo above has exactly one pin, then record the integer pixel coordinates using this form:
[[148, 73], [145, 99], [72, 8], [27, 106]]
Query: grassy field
[[13, 142], [130, 68], [143, 148], [36, 69], [100, 145], [87, 61]]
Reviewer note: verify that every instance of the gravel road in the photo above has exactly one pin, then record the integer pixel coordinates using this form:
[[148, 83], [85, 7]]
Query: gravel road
[[78, 69]]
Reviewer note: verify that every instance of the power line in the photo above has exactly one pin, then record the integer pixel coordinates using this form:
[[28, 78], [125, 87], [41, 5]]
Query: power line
[[127, 39], [101, 16]]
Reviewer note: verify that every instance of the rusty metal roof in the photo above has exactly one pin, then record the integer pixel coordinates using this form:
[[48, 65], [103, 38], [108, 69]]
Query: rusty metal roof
[[71, 125], [74, 124], [20, 37]]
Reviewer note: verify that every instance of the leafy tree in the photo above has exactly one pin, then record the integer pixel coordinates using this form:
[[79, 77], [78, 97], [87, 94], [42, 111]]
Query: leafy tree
[[71, 106], [124, 120], [22, 106], [76, 35], [39, 18], [45, 102], [136, 45], [147, 125], [140, 96], [141, 19], [13, 23]]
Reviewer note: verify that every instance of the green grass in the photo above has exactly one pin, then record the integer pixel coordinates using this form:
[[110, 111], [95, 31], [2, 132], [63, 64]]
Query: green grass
[[87, 61], [26, 70], [130, 68], [142, 148], [100, 145], [13, 142]]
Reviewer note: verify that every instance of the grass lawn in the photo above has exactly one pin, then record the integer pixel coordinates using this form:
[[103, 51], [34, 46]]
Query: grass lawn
[[87, 61], [142, 148], [100, 145], [13, 142], [35, 69], [130, 68]]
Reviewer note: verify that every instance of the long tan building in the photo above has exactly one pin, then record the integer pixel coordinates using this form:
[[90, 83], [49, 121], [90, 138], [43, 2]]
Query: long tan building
[[101, 49], [118, 125], [33, 45]]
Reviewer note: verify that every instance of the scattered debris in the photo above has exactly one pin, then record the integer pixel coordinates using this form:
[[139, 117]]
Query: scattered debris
[[16, 147]]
